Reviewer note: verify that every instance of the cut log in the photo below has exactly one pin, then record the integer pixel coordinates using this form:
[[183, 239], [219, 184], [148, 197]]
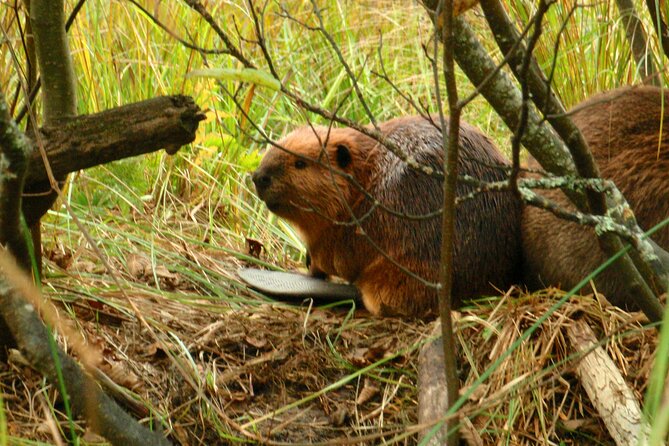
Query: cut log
[[85, 141], [166, 122], [606, 388], [432, 389]]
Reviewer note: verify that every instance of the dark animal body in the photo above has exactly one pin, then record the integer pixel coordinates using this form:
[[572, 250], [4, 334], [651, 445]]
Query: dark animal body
[[627, 130], [349, 236]]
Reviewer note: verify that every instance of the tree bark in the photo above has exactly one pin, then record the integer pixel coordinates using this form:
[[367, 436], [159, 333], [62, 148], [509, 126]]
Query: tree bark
[[47, 19], [167, 122], [31, 68], [89, 140], [14, 150], [451, 153], [59, 94]]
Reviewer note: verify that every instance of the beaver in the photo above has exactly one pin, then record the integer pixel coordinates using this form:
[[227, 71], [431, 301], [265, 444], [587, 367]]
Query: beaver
[[627, 130], [366, 217]]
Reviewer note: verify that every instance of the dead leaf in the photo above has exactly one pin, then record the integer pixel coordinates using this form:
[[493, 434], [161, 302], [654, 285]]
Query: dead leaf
[[359, 357], [43, 428], [248, 100], [61, 257], [167, 278], [181, 433], [92, 437], [164, 273], [368, 391], [138, 266], [574, 425], [257, 343], [339, 417], [157, 350], [478, 393], [470, 433], [84, 266], [16, 357], [121, 375], [364, 356], [254, 247]]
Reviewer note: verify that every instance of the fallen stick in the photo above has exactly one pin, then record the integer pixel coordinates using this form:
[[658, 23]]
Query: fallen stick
[[432, 389], [606, 388]]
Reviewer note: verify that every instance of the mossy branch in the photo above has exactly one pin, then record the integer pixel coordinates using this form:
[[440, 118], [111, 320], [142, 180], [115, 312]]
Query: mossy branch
[[47, 21], [47, 18], [638, 275], [546, 146]]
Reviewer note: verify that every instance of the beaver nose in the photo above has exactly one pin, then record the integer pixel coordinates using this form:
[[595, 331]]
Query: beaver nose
[[261, 179]]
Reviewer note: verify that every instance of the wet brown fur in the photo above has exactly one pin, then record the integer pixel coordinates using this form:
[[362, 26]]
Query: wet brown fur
[[622, 128], [313, 199]]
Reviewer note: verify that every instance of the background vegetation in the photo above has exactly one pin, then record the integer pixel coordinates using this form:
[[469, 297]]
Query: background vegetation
[[121, 56]]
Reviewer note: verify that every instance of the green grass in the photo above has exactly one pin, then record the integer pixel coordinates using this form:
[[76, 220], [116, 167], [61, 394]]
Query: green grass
[[593, 51], [130, 59]]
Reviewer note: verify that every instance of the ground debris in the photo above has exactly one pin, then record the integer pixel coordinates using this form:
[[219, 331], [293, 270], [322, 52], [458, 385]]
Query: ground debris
[[235, 367]]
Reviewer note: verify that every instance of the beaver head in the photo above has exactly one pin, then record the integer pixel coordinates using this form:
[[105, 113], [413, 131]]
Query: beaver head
[[308, 173]]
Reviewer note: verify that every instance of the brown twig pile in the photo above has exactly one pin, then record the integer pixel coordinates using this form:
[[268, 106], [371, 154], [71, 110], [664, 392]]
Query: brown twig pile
[[533, 397]]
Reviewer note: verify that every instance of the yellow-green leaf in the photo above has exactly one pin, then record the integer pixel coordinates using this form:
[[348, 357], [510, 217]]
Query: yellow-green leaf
[[249, 75]]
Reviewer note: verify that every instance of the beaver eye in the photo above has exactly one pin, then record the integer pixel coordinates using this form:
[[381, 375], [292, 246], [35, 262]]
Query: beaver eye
[[300, 164]]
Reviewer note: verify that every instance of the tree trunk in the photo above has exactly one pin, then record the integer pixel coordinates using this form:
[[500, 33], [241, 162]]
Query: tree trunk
[[47, 20]]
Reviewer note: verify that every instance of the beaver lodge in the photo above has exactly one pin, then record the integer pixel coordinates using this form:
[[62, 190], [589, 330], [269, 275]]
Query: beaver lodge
[[249, 371]]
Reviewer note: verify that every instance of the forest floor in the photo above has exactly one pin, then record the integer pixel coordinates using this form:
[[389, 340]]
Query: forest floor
[[218, 371]]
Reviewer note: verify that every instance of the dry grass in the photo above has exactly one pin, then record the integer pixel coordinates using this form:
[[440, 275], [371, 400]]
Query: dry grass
[[533, 397], [216, 370], [210, 366]]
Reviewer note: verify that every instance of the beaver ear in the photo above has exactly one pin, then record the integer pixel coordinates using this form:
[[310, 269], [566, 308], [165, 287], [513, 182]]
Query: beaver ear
[[343, 156]]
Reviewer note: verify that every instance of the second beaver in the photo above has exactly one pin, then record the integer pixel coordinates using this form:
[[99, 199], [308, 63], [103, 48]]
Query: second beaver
[[366, 217], [627, 130]]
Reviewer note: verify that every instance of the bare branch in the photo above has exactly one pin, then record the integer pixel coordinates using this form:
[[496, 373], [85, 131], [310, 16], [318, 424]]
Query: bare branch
[[231, 48], [525, 91], [342, 61], [174, 35], [451, 141]]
